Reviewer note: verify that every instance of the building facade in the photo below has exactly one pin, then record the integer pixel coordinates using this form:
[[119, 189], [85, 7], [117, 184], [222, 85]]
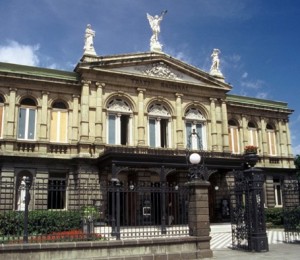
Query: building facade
[[130, 117]]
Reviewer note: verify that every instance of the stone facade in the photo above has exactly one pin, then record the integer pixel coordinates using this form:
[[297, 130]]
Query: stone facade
[[59, 124]]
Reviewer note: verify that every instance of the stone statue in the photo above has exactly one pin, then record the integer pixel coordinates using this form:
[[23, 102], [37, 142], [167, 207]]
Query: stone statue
[[89, 41], [215, 66], [155, 27], [21, 195]]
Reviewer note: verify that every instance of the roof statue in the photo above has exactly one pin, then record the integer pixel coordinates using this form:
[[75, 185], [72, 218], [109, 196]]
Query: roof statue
[[154, 22], [215, 66], [89, 41]]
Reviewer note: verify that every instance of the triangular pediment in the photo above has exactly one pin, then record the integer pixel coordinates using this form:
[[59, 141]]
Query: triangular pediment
[[155, 66]]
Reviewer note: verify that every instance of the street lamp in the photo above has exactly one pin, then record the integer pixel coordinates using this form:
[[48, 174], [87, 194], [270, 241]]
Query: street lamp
[[196, 162]]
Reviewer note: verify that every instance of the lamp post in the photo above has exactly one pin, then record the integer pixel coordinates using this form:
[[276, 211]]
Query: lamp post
[[198, 211]]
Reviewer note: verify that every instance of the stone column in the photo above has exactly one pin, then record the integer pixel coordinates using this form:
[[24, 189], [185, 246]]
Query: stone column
[[141, 126], [244, 135], [75, 118], [179, 125], [282, 139], [84, 111], [44, 117], [213, 123], [288, 139], [198, 211], [264, 137], [225, 127], [98, 120], [9, 130]]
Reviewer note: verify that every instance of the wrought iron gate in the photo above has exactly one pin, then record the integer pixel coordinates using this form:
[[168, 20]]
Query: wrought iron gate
[[291, 210], [247, 211]]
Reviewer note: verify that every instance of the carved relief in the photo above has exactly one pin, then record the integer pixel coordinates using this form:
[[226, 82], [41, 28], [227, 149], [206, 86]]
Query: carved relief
[[158, 110], [120, 105], [160, 70]]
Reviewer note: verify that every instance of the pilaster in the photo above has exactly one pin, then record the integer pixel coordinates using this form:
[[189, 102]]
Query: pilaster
[[179, 125]]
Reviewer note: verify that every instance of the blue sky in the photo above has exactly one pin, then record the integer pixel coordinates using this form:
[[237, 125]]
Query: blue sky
[[259, 39]]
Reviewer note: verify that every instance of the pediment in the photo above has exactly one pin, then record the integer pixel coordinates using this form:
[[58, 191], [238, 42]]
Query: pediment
[[156, 66]]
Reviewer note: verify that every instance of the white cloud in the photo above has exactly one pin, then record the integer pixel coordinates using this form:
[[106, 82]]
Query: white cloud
[[253, 84], [15, 52], [245, 75]]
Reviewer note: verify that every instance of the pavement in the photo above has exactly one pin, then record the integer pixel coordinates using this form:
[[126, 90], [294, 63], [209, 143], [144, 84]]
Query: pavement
[[278, 248]]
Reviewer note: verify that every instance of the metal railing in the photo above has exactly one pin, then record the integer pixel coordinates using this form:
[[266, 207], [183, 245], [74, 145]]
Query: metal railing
[[52, 210]]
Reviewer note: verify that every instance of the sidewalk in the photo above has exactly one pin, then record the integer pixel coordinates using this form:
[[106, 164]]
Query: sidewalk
[[279, 251]]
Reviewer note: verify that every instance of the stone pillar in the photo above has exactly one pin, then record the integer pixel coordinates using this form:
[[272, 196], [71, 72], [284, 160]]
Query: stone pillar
[[288, 139], [199, 225], [244, 135], [282, 139], [141, 126], [44, 117], [264, 137], [9, 130], [98, 120], [75, 118], [84, 111], [179, 124], [213, 123], [225, 127]]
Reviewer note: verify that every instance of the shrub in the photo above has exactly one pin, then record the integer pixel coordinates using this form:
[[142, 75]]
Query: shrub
[[274, 216], [39, 222]]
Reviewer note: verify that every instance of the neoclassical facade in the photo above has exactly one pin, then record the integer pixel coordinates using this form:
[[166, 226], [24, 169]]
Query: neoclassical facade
[[128, 117]]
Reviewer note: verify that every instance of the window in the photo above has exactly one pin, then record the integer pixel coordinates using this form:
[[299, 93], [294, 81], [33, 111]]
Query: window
[[27, 119], [277, 193], [159, 129], [195, 123], [233, 134], [57, 191], [1, 116], [119, 122], [252, 134], [271, 140], [59, 123]]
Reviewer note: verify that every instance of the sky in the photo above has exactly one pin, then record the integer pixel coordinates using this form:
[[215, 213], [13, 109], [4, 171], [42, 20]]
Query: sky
[[259, 40]]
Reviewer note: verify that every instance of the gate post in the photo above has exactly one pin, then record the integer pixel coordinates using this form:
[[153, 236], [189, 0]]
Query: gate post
[[198, 215], [258, 240]]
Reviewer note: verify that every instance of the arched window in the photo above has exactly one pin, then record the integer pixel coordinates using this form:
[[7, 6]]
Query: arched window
[[59, 122], [195, 123], [27, 119], [233, 134], [252, 134], [271, 139], [119, 126], [1, 116], [159, 126]]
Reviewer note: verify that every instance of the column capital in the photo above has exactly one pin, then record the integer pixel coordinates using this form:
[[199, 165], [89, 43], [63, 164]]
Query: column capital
[[100, 84], [86, 82], [141, 90]]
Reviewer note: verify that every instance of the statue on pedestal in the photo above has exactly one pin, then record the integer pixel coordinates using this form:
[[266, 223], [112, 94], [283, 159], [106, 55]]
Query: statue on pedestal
[[89, 41], [155, 26], [215, 67]]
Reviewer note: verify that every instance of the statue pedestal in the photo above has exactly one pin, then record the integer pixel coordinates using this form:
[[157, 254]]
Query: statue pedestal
[[155, 47]]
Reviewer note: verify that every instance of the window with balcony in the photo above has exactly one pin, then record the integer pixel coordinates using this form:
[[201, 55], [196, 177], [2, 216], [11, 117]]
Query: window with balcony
[[159, 126], [271, 140], [119, 125], [57, 188], [27, 119], [195, 122], [1, 116], [233, 134], [252, 134], [59, 123]]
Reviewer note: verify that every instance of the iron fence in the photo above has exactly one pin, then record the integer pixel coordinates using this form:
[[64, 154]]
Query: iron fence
[[291, 210], [54, 209]]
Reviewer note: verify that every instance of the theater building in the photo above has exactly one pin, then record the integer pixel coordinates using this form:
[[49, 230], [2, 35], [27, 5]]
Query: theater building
[[130, 117]]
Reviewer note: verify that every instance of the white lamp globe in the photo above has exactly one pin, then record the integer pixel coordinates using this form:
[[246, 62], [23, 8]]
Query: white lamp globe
[[195, 158]]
